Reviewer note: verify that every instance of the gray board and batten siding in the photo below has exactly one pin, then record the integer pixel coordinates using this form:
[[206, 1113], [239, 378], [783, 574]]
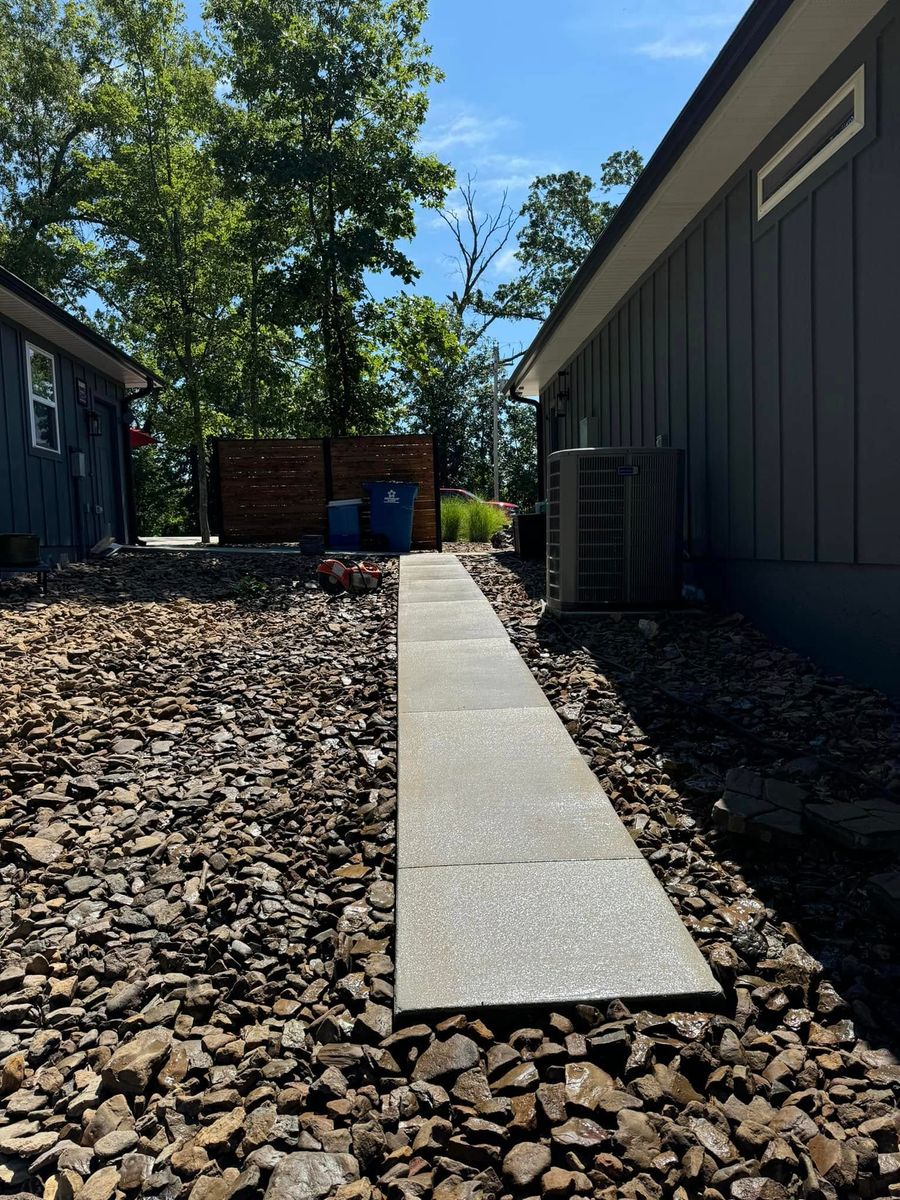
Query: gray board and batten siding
[[769, 350], [39, 493]]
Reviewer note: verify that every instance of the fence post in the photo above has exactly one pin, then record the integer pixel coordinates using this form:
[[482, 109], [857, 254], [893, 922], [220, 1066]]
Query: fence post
[[214, 502], [438, 533], [326, 462]]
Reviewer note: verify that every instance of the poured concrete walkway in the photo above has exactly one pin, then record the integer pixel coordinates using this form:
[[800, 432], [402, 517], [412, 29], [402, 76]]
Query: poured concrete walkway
[[517, 883]]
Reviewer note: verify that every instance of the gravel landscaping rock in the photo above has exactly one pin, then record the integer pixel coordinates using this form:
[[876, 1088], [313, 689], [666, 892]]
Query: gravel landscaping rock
[[196, 991], [525, 1162], [310, 1176], [131, 1065]]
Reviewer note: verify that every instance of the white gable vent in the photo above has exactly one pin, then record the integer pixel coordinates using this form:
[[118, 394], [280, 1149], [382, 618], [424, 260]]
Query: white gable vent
[[836, 122]]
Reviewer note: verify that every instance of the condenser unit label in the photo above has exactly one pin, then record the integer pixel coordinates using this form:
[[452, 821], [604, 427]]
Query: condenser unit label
[[627, 470]]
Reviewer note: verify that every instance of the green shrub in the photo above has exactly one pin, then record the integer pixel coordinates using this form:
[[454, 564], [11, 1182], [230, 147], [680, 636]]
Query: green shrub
[[484, 521], [249, 589], [453, 518]]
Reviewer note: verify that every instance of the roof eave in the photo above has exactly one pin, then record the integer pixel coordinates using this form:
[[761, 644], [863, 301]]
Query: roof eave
[[99, 351], [750, 35]]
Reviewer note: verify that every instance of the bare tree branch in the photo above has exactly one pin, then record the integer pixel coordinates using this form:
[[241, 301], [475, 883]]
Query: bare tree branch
[[479, 239]]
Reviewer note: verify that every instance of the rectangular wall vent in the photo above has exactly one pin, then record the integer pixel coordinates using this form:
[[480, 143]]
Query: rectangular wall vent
[[842, 118]]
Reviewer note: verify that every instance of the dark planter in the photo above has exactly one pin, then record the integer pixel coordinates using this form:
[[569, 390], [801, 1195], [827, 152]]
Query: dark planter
[[19, 549], [530, 535]]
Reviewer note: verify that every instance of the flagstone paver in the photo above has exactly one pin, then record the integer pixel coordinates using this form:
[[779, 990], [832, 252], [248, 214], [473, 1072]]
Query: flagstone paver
[[768, 809], [517, 882]]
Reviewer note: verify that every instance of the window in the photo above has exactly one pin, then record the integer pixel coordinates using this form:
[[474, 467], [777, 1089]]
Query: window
[[42, 399], [841, 119]]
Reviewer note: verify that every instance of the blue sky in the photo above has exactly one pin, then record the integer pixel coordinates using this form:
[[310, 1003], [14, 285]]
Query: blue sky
[[533, 87]]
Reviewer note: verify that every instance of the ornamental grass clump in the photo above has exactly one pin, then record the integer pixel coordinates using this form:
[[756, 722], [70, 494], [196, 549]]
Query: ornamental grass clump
[[453, 518], [484, 521]]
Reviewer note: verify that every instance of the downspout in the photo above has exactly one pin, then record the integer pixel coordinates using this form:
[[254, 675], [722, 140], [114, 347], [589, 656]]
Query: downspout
[[539, 434], [130, 507]]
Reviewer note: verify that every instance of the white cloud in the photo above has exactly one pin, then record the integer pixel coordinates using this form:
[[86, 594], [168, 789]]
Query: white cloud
[[669, 47], [465, 130], [662, 29], [508, 172], [474, 143], [504, 265]]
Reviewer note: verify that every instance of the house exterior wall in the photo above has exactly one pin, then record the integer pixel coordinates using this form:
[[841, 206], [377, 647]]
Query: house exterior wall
[[767, 349], [38, 492]]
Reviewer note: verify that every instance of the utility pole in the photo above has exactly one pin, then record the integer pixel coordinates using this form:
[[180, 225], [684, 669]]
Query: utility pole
[[496, 366]]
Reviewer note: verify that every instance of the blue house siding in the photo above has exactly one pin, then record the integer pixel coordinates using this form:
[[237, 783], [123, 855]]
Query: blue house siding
[[38, 491], [767, 350]]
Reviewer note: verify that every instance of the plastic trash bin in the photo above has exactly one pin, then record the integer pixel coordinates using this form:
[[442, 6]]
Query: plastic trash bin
[[343, 524], [392, 512], [530, 535]]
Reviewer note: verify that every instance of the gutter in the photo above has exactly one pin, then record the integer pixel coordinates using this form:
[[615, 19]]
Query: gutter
[[752, 31], [148, 390], [539, 432]]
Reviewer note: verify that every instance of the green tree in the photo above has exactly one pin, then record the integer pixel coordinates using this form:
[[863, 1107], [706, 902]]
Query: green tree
[[451, 394], [518, 453], [268, 346], [57, 101], [430, 367], [168, 267], [562, 218], [161, 487], [446, 385], [338, 93]]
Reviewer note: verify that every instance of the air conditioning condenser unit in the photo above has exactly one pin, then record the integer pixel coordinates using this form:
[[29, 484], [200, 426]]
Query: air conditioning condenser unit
[[614, 528]]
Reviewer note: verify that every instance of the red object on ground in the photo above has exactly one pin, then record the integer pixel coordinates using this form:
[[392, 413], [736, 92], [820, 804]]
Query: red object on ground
[[334, 576], [138, 438]]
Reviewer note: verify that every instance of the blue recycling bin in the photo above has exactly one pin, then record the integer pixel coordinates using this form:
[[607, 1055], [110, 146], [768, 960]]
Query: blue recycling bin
[[343, 524], [392, 512]]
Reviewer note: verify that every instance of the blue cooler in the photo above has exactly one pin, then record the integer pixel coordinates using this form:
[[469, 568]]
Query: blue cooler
[[343, 524], [392, 512]]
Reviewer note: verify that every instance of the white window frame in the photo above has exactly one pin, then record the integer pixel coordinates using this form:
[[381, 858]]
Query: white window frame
[[34, 399], [855, 86]]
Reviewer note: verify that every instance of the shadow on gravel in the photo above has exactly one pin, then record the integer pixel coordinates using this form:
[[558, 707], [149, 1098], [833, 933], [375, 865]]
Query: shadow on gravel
[[708, 693], [160, 578]]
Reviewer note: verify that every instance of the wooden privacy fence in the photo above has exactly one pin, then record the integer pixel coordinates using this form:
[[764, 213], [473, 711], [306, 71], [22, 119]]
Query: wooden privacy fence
[[274, 490]]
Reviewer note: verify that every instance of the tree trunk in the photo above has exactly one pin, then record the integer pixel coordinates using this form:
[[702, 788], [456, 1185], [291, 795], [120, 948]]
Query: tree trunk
[[334, 375], [254, 349], [199, 437], [347, 381], [200, 447], [337, 305]]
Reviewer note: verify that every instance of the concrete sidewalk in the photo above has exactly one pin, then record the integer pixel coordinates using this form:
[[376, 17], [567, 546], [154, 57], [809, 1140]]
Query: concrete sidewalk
[[517, 883]]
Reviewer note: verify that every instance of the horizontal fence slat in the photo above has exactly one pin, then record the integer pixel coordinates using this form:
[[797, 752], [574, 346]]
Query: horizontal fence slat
[[274, 489]]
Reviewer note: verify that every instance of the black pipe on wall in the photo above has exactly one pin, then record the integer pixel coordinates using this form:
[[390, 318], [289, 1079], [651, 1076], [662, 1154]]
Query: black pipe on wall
[[539, 436]]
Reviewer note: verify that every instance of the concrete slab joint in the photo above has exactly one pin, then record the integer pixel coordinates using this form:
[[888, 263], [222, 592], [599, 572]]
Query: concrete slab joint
[[517, 882]]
